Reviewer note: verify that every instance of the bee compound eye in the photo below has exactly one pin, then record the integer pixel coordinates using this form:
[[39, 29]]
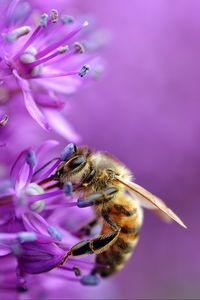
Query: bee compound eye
[[68, 151], [77, 162]]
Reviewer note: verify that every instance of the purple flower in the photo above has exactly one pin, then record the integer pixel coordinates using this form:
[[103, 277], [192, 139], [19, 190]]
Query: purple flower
[[43, 62], [38, 223]]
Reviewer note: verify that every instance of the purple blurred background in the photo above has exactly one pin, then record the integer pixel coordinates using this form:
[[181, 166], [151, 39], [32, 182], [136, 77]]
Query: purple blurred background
[[145, 110]]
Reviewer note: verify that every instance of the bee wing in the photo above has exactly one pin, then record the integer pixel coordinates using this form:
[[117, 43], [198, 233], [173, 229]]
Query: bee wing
[[148, 198]]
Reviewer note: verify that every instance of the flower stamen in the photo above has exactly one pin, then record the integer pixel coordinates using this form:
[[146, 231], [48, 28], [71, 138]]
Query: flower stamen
[[62, 41], [67, 19], [55, 233], [90, 280], [26, 237], [54, 16], [84, 70], [68, 188], [31, 158], [4, 120], [60, 50], [17, 33], [79, 48], [44, 20]]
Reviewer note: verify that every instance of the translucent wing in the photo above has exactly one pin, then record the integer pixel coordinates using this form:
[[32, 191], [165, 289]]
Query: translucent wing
[[149, 200]]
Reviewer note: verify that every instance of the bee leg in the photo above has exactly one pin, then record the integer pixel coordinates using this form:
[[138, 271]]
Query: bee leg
[[86, 230], [104, 241], [94, 246], [98, 198]]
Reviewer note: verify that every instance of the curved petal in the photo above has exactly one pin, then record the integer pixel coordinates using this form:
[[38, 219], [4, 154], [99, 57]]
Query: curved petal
[[44, 148], [41, 153], [51, 101], [61, 125], [65, 85], [30, 104], [36, 223], [46, 170], [21, 172]]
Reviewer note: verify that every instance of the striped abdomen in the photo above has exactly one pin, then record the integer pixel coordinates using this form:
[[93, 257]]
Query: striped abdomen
[[127, 214]]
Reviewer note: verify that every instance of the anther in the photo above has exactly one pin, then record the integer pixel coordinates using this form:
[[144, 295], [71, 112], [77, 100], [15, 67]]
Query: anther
[[63, 49], [79, 48], [26, 237], [38, 206], [54, 15], [17, 33], [67, 19], [27, 58], [35, 71], [68, 189], [4, 121], [34, 189], [55, 233], [31, 158], [67, 151], [84, 70], [76, 270], [43, 20], [90, 280]]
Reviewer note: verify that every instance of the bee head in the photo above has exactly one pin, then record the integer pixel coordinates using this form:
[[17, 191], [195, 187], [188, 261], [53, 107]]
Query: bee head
[[74, 164]]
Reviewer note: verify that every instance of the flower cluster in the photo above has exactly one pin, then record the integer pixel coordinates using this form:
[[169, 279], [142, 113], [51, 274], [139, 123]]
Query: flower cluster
[[45, 57], [42, 59], [35, 223]]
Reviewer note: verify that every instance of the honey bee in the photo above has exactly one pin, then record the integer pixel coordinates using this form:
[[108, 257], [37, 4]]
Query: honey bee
[[107, 185]]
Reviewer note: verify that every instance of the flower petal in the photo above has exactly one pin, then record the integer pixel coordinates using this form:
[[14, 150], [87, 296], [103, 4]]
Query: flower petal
[[45, 172], [30, 104], [44, 148], [21, 172], [34, 222], [50, 101], [65, 85], [41, 153], [61, 125], [39, 257]]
